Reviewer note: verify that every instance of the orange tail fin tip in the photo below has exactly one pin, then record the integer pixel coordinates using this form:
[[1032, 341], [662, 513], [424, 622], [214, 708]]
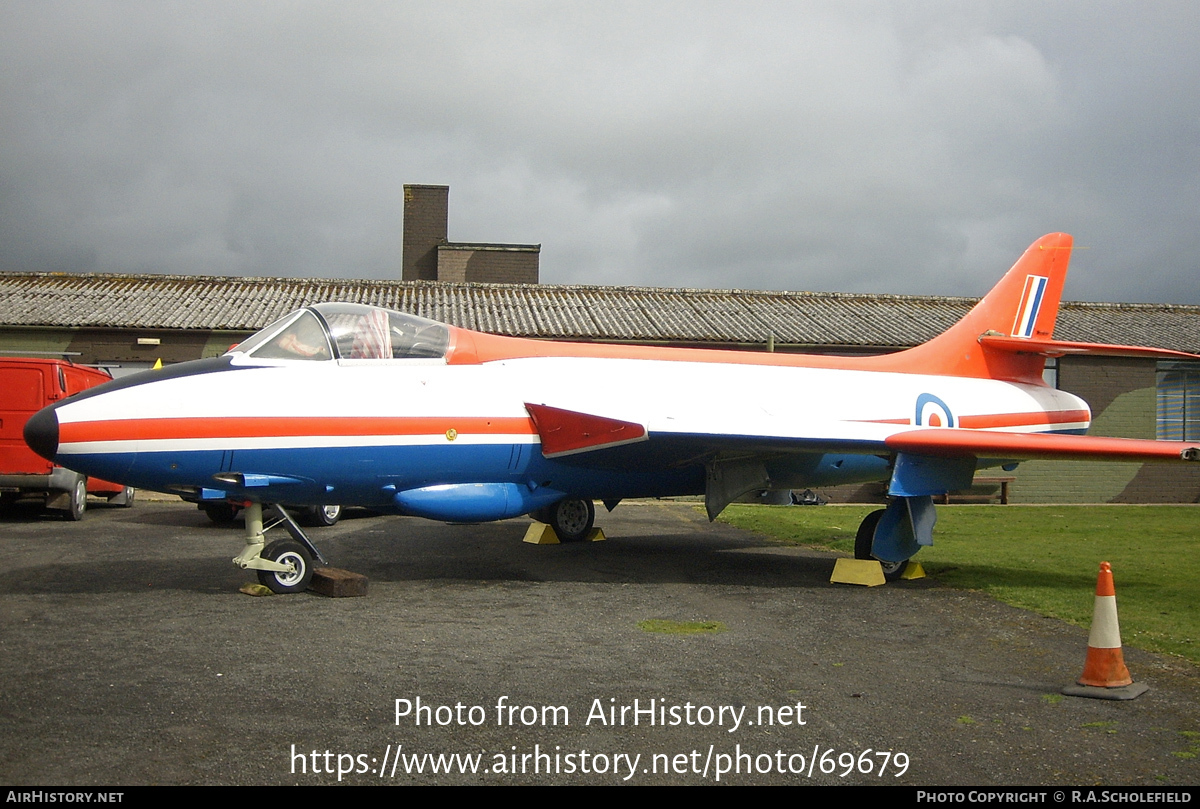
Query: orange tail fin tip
[[1022, 306]]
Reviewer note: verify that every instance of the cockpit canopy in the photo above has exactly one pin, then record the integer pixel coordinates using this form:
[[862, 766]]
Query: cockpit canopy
[[347, 331]]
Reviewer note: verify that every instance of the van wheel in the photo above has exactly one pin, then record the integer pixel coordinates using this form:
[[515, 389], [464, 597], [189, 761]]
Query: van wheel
[[78, 504], [325, 515], [221, 513]]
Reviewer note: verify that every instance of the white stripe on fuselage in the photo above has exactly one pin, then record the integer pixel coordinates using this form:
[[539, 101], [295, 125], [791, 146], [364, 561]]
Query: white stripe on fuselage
[[667, 397]]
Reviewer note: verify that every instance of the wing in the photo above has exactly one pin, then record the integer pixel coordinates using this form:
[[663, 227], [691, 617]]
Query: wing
[[920, 461], [1027, 446]]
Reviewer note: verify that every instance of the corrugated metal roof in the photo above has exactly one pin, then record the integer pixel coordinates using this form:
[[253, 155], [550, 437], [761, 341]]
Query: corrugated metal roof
[[637, 314]]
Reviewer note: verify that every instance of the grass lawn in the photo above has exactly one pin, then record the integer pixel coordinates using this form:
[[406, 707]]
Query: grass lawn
[[1041, 558]]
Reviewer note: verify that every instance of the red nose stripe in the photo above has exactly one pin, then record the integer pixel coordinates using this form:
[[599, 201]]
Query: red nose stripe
[[183, 428]]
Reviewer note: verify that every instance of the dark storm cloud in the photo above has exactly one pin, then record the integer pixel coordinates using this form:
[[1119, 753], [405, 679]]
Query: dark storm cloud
[[869, 147]]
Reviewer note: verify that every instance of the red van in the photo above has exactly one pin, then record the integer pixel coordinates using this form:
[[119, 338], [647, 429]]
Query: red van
[[26, 386]]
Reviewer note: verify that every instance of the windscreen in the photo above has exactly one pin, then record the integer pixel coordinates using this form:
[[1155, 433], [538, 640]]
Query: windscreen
[[303, 338]]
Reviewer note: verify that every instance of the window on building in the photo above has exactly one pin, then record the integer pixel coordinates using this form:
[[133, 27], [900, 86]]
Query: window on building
[[1179, 401], [1050, 372]]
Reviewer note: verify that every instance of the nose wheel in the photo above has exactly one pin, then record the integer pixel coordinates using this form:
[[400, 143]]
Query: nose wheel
[[292, 556], [284, 566]]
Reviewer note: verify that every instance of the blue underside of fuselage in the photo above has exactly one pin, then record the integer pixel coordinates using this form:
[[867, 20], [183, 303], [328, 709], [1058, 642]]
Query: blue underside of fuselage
[[373, 476]]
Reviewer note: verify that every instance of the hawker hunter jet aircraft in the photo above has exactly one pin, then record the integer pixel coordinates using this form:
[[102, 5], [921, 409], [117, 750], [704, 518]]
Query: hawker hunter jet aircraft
[[351, 404]]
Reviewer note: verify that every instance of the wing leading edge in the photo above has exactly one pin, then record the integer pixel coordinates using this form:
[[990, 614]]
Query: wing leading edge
[[1028, 446]]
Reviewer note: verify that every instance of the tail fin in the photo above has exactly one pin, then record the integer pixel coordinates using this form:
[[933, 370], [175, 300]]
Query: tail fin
[[1024, 305]]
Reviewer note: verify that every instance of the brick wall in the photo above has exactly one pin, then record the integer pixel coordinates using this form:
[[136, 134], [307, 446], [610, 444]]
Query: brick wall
[[488, 264], [120, 345], [426, 223], [1120, 392]]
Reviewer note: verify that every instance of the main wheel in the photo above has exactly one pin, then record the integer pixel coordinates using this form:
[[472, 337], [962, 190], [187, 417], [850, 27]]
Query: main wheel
[[863, 541], [78, 503], [291, 553], [129, 495], [572, 519], [221, 513], [325, 515]]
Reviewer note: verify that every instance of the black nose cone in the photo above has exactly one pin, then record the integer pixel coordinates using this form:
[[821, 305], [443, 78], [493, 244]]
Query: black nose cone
[[41, 433]]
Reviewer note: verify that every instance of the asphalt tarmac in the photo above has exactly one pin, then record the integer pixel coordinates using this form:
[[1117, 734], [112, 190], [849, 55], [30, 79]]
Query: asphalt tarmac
[[128, 656]]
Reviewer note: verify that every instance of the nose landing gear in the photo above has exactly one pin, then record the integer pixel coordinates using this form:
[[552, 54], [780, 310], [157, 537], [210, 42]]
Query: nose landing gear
[[284, 566]]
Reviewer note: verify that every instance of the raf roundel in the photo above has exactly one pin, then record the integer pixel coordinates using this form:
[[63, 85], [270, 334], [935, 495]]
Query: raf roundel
[[932, 412]]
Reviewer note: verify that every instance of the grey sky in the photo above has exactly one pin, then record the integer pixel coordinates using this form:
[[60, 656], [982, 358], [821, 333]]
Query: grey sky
[[875, 147]]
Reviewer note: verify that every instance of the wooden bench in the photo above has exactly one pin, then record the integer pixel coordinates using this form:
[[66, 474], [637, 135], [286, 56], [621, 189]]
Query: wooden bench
[[972, 496]]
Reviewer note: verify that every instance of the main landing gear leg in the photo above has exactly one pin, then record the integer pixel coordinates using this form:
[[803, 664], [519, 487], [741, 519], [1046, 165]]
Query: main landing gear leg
[[864, 541], [895, 534], [285, 566]]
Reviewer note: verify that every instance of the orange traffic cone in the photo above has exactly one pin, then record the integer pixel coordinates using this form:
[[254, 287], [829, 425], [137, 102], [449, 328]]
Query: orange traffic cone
[[1104, 673]]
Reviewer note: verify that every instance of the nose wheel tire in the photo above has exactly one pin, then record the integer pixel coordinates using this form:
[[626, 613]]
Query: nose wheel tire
[[572, 519], [286, 552], [862, 546]]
